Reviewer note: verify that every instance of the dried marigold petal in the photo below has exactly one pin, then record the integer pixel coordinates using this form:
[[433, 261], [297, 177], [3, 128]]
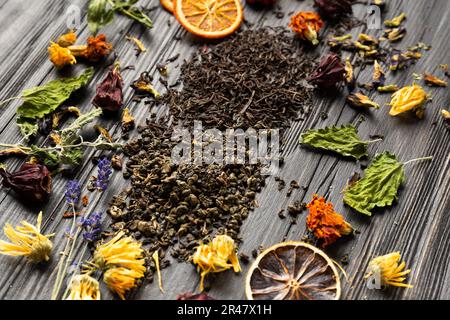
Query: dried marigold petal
[[432, 80], [306, 25], [60, 56], [407, 98], [326, 224], [96, 48], [388, 270]]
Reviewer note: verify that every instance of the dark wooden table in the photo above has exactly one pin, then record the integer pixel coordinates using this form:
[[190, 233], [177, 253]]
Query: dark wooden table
[[418, 225]]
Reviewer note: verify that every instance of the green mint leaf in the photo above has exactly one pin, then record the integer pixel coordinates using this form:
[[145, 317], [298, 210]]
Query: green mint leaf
[[343, 140], [99, 15], [42, 100], [27, 127], [379, 186], [126, 8], [49, 157], [72, 156]]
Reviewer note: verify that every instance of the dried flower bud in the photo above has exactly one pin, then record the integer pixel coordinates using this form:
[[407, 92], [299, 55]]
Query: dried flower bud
[[329, 72], [431, 80], [96, 48], [306, 25], [378, 76], [395, 34], [334, 9], [388, 88], [349, 78], [360, 100], [109, 92], [32, 182], [396, 21], [67, 39], [144, 86], [407, 98], [194, 296]]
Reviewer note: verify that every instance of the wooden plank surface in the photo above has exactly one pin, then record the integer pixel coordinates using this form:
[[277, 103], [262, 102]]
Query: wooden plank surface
[[418, 225]]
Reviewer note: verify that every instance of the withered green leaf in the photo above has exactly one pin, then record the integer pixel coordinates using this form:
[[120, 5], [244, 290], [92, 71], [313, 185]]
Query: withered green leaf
[[42, 100], [343, 140]]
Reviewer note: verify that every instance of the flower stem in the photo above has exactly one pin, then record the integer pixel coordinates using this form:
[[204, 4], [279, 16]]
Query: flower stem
[[418, 159], [373, 141], [66, 292], [9, 99]]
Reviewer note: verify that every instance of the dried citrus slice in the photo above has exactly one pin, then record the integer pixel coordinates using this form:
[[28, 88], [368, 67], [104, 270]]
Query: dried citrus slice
[[209, 18], [168, 5], [293, 271]]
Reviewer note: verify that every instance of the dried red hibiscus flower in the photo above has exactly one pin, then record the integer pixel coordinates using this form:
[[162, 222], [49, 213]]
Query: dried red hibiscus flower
[[31, 182], [109, 94], [329, 72], [326, 224], [334, 8]]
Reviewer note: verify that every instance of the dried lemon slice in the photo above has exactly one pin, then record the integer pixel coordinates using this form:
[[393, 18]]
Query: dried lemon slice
[[293, 271]]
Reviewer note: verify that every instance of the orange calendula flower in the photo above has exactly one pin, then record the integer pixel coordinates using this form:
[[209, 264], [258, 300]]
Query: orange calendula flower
[[407, 98], [306, 25], [84, 287], [60, 56], [67, 39], [217, 256], [389, 271], [324, 222], [123, 263]]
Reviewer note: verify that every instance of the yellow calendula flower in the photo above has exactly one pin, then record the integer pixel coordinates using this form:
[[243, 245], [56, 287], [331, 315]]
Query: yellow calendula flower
[[217, 256], [67, 39], [122, 260], [407, 98], [60, 56], [84, 287], [390, 271], [27, 240]]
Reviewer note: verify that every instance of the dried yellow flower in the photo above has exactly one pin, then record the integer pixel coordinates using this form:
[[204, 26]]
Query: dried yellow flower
[[390, 271], [84, 287], [27, 241], [396, 21], [67, 39], [407, 98], [60, 56], [217, 256], [122, 260], [349, 72], [368, 39]]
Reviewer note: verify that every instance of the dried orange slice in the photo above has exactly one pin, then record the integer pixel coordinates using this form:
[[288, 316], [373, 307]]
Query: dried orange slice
[[293, 271], [168, 5], [209, 18]]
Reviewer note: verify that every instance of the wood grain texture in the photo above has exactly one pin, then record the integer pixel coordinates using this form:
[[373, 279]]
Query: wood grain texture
[[418, 225]]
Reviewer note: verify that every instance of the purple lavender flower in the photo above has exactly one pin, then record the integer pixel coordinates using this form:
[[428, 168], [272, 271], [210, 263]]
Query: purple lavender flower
[[73, 192], [104, 172], [92, 227]]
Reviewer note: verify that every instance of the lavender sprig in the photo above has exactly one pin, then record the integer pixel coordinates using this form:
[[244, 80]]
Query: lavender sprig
[[104, 173], [73, 192], [92, 227]]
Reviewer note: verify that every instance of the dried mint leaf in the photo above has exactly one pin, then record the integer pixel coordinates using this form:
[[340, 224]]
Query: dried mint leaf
[[379, 186], [343, 140], [42, 100], [27, 127]]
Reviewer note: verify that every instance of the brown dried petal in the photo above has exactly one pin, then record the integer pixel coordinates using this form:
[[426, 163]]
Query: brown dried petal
[[334, 8], [109, 92], [32, 182], [329, 72]]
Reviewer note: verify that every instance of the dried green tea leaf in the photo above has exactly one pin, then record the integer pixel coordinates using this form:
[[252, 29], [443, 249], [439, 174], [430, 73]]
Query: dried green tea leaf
[[42, 100], [99, 15], [378, 187], [343, 140]]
